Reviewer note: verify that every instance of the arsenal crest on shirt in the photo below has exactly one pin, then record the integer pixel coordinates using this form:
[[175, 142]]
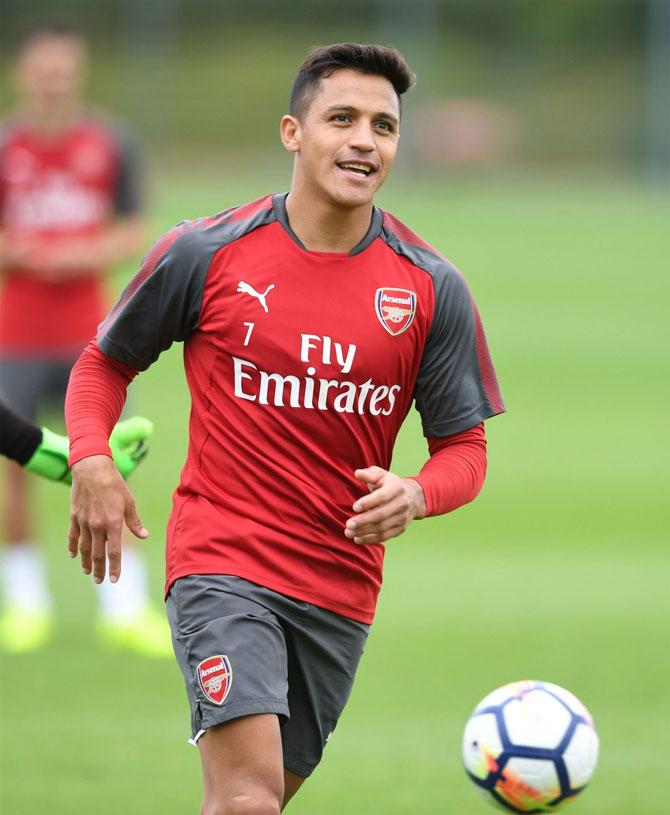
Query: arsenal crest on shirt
[[215, 675], [395, 309]]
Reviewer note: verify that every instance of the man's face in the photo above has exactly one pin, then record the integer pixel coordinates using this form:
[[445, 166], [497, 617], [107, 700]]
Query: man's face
[[50, 71], [347, 140]]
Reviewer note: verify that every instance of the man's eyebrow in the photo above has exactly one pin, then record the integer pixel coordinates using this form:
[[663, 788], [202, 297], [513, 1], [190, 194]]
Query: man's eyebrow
[[351, 109]]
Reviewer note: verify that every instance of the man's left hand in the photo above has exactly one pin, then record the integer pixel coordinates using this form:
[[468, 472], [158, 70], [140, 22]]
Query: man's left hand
[[387, 511]]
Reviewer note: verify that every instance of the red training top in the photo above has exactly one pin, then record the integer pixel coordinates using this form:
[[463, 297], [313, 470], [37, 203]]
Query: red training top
[[301, 366], [56, 189]]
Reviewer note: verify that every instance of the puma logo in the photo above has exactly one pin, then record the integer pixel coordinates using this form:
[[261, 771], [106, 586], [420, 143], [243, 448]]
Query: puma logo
[[245, 288]]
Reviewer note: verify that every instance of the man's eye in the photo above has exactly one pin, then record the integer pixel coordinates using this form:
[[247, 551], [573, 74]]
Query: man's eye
[[387, 126], [340, 117]]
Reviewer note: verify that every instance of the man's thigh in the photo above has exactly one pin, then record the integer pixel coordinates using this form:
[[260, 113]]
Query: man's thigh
[[324, 650], [242, 761], [231, 651], [244, 649]]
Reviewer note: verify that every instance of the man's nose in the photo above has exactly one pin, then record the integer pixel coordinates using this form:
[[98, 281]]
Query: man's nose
[[362, 136]]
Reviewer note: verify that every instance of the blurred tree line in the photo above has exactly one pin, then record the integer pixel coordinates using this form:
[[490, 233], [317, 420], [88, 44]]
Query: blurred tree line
[[573, 75]]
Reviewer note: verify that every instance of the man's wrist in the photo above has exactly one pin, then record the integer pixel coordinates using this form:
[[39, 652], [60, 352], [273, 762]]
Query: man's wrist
[[88, 449], [417, 497], [96, 463]]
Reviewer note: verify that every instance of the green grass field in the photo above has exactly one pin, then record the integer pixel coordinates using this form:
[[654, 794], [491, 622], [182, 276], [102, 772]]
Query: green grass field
[[559, 571]]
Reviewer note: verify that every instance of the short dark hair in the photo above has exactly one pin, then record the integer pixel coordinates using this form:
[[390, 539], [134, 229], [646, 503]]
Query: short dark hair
[[375, 60], [35, 32]]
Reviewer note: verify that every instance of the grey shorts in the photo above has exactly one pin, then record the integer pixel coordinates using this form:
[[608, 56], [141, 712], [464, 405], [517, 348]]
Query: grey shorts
[[31, 385], [244, 649]]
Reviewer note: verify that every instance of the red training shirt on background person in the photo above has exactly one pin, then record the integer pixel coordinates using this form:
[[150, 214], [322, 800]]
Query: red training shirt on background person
[[52, 190]]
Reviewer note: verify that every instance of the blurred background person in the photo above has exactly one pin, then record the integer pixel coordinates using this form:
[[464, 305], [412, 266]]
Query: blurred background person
[[70, 209]]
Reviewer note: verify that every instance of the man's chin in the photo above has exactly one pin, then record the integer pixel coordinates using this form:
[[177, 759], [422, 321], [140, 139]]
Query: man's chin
[[352, 198]]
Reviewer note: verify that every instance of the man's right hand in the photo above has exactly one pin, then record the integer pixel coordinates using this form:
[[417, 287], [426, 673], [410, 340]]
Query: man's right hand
[[100, 504]]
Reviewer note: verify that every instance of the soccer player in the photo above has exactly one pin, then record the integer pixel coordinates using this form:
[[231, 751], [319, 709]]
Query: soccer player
[[70, 209], [311, 322]]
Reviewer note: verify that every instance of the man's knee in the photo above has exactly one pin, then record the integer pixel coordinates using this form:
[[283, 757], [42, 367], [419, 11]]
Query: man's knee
[[260, 802]]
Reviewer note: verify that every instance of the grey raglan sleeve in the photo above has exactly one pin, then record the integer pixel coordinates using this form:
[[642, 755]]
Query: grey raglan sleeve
[[456, 387], [161, 304]]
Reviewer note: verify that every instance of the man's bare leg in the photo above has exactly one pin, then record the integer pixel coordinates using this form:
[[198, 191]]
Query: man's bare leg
[[26, 620], [16, 501], [292, 784], [242, 767]]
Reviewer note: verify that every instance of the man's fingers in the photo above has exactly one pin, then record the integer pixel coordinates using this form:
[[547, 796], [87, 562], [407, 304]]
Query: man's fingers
[[101, 502], [379, 537], [99, 553], [381, 525], [133, 520], [114, 556], [384, 513], [73, 537], [370, 475], [379, 504], [368, 502], [388, 511], [85, 549], [382, 495]]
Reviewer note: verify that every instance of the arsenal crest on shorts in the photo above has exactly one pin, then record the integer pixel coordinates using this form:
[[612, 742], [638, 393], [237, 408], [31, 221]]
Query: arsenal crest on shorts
[[215, 675], [395, 309]]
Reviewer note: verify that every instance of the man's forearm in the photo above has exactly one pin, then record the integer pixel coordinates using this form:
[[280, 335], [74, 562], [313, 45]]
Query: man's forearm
[[117, 243], [455, 472], [94, 401]]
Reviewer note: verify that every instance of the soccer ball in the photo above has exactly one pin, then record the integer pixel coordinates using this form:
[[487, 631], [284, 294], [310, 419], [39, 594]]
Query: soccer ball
[[530, 746]]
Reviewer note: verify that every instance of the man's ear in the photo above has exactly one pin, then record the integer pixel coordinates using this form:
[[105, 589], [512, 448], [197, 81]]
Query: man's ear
[[290, 132]]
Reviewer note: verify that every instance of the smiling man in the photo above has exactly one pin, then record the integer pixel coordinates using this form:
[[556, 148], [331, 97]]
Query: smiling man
[[311, 321]]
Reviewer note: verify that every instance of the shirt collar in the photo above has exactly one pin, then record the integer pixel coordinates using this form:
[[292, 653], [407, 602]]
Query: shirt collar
[[279, 206]]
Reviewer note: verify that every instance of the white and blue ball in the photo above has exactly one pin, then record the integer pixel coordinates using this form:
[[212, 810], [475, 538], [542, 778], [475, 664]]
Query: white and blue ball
[[530, 746]]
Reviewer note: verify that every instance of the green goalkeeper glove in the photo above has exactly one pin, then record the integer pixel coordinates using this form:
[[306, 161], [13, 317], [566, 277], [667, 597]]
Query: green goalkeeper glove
[[129, 444]]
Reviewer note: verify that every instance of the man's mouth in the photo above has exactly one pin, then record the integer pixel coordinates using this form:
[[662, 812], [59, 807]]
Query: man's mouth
[[358, 168]]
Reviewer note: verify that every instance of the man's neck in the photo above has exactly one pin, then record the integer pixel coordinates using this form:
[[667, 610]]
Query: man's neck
[[322, 226], [50, 122]]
